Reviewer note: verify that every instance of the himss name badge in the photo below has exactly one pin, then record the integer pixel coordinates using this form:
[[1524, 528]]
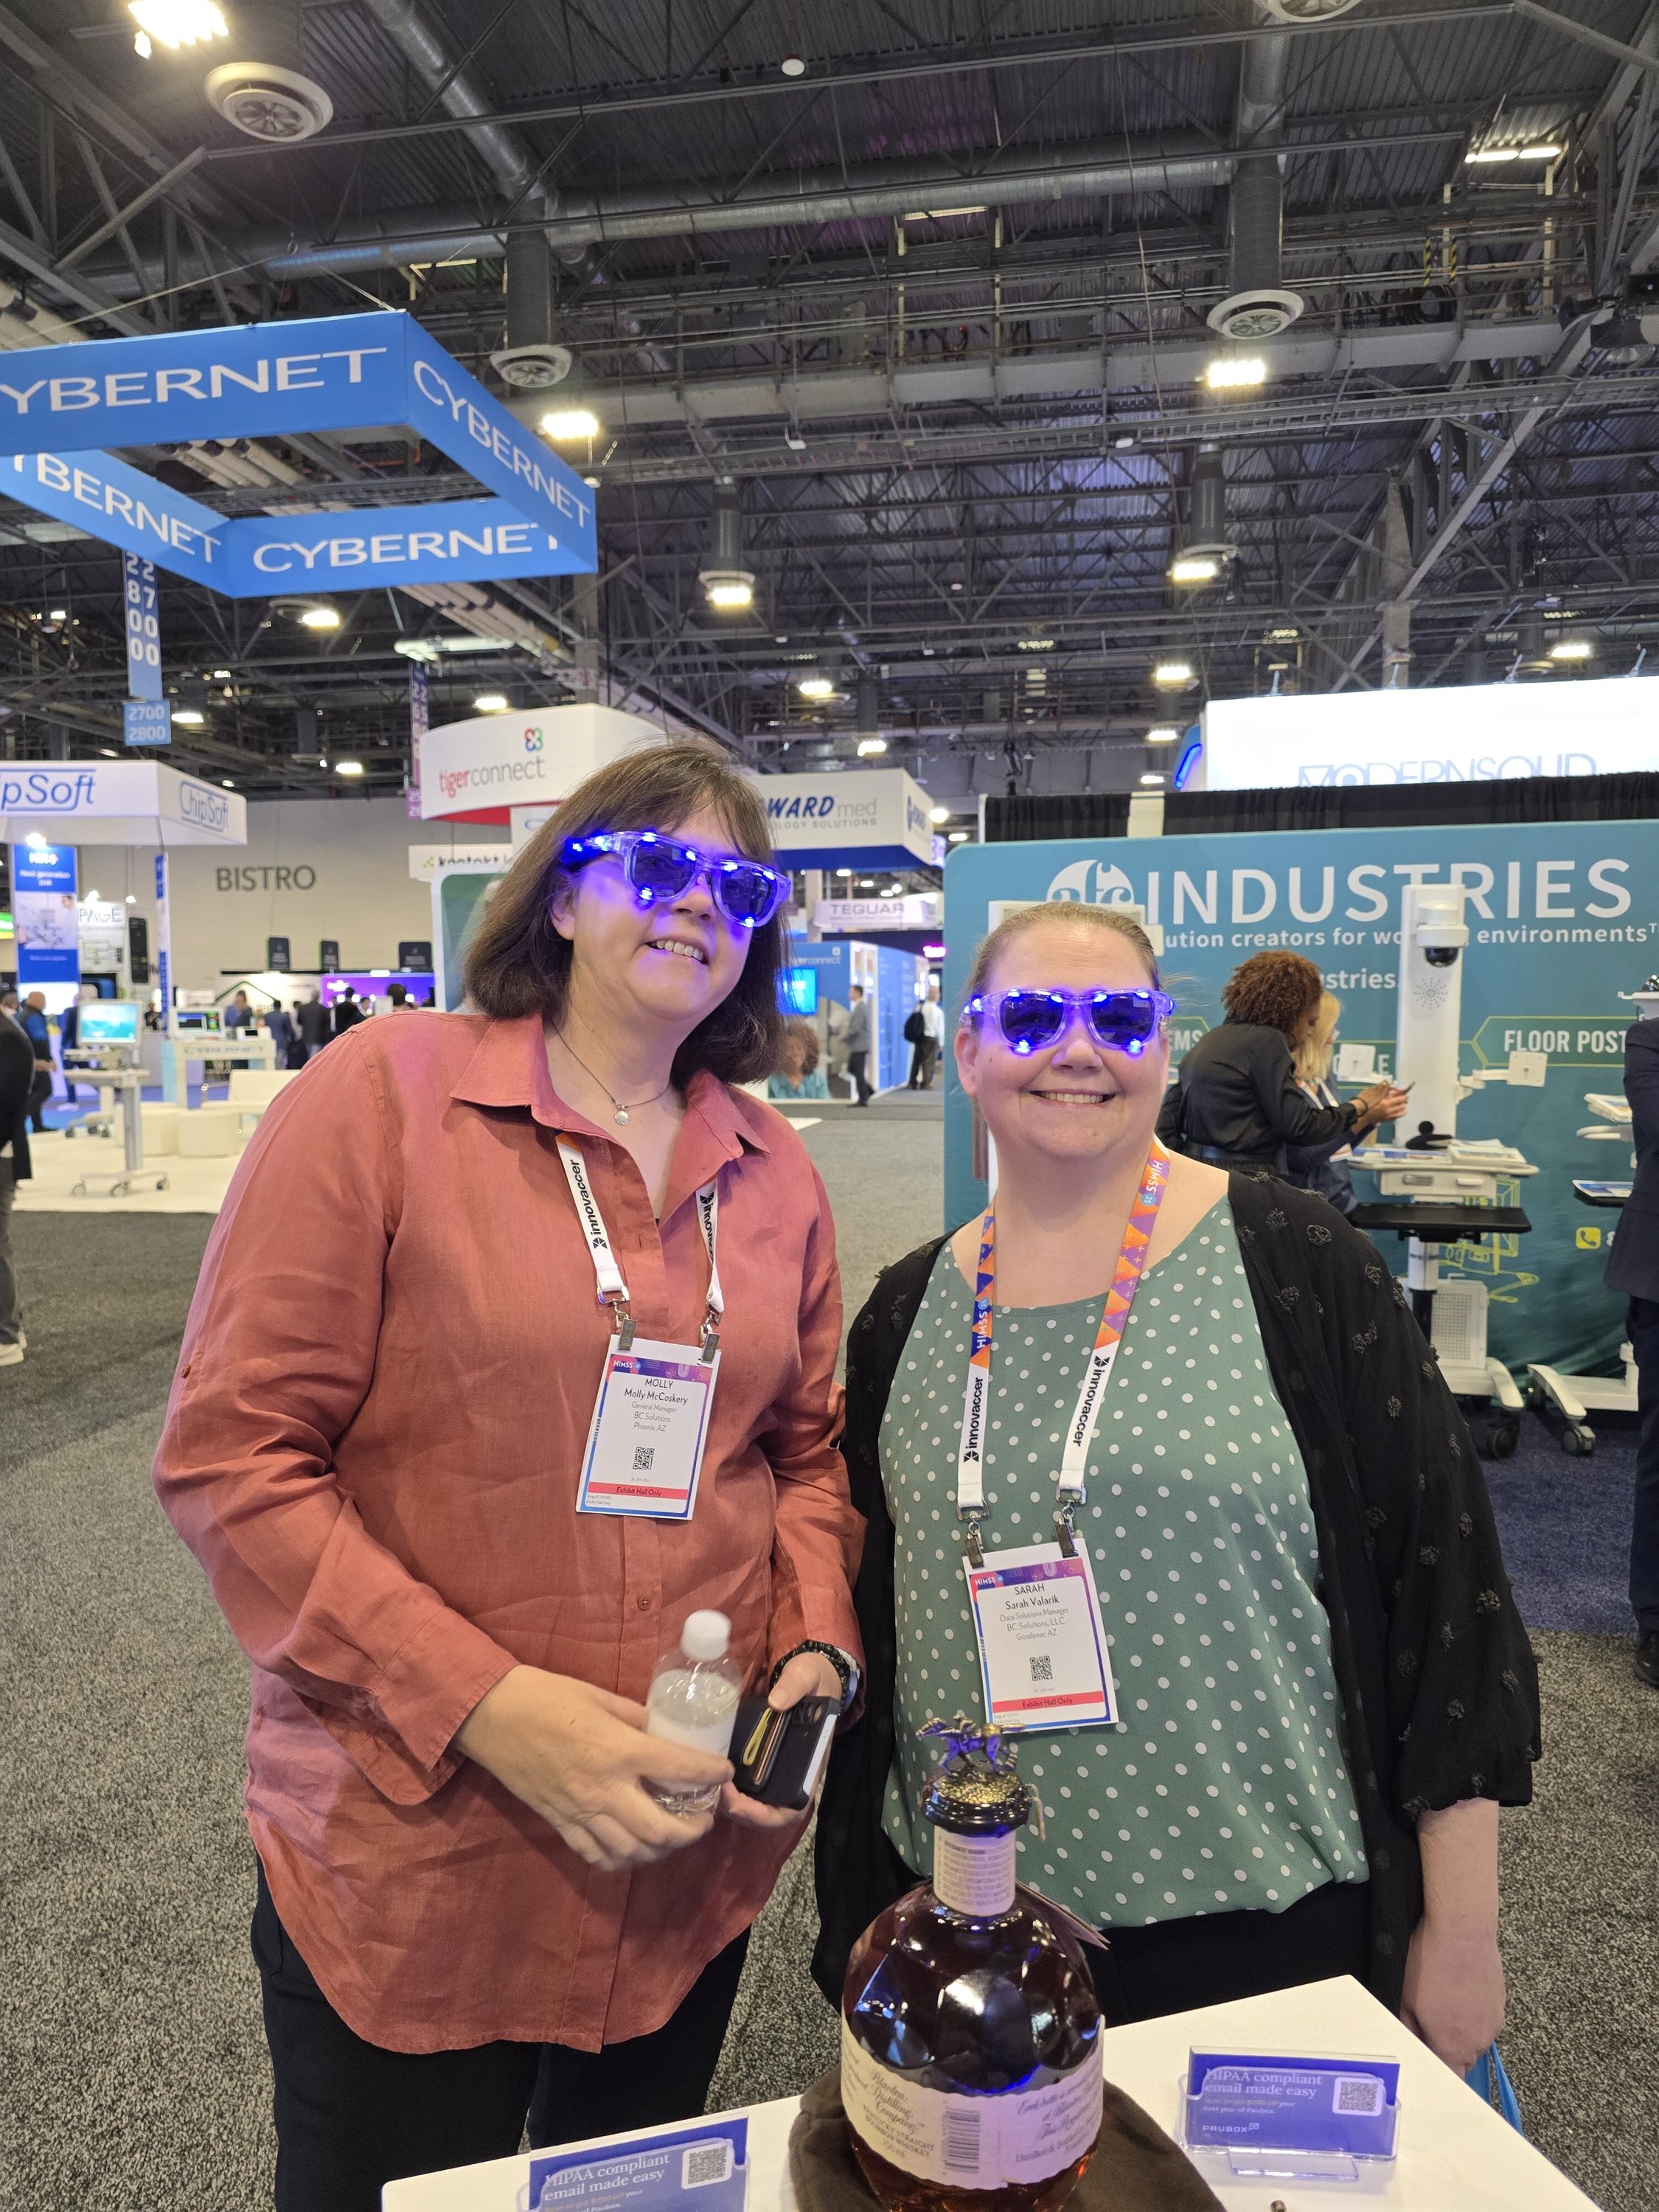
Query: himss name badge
[[1042, 1656], [702, 2167], [1288, 2101], [646, 1440]]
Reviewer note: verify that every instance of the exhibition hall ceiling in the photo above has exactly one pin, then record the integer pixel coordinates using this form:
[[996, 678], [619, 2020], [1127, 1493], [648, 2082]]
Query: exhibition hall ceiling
[[954, 327]]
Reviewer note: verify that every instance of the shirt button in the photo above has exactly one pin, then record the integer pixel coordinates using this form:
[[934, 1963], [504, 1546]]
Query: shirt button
[[643, 1603]]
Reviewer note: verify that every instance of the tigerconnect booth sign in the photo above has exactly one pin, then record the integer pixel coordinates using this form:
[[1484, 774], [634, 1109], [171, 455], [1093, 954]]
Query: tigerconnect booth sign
[[1563, 917], [60, 406]]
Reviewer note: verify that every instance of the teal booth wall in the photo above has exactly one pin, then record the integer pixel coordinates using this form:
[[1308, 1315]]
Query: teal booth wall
[[1562, 917]]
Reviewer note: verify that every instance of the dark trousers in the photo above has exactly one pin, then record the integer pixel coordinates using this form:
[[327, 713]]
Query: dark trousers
[[861, 1090], [922, 1064], [351, 2117], [40, 1092], [1178, 1965], [11, 1314], [1643, 1324]]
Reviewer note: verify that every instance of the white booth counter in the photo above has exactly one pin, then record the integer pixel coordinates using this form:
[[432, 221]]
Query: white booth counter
[[1456, 2155]]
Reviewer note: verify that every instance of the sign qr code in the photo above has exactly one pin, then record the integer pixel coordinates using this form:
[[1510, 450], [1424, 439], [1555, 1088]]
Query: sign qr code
[[643, 1456], [1043, 1667], [1358, 2095], [705, 2163]]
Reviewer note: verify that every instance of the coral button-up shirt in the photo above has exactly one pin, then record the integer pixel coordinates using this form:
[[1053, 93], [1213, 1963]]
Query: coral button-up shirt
[[373, 1448]]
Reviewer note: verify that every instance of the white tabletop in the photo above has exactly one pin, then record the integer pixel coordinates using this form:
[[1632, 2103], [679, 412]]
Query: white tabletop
[[1455, 2153]]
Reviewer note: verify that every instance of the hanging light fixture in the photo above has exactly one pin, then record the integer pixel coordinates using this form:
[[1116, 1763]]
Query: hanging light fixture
[[728, 583]]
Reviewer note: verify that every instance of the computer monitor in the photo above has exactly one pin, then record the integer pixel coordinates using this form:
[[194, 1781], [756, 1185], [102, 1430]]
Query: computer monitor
[[108, 1021], [798, 991]]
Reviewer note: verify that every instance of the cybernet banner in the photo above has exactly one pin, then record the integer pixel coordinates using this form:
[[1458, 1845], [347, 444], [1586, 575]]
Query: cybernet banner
[[64, 404], [1562, 917]]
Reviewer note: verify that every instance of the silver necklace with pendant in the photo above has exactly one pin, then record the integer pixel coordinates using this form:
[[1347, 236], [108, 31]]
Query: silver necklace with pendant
[[621, 1111]]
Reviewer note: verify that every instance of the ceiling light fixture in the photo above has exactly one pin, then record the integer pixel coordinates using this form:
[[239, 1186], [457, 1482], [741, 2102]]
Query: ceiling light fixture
[[1036, 645], [348, 767], [108, 753], [1571, 648], [941, 215], [320, 618], [1173, 675], [567, 425], [1236, 372], [1195, 568], [436, 648], [869, 745], [191, 717], [938, 814], [793, 65], [816, 687], [175, 23], [730, 594], [1165, 734], [1152, 779], [226, 783], [957, 837], [1483, 156], [490, 702]]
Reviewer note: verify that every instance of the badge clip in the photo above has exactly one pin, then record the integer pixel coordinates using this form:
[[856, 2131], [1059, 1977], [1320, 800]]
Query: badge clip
[[711, 1342], [622, 1322], [1065, 1534], [975, 1555]]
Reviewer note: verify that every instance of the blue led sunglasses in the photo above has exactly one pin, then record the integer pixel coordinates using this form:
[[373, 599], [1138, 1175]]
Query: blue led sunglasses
[[1031, 1021], [657, 868]]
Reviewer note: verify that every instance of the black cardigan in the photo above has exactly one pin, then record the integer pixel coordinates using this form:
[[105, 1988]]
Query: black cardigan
[[1438, 1684]]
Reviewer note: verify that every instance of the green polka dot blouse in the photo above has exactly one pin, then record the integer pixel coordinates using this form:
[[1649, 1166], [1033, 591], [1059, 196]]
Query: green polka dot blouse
[[1222, 1789]]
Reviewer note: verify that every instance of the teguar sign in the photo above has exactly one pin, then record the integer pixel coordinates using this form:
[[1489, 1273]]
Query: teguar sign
[[61, 405]]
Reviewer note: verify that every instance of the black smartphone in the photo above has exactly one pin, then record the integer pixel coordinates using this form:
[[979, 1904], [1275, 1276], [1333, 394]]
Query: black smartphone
[[777, 1758]]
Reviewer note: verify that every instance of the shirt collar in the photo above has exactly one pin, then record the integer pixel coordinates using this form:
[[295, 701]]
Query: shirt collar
[[509, 1068]]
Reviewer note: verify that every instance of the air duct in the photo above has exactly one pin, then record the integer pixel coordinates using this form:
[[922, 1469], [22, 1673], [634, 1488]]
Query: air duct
[[1206, 506], [530, 360], [1258, 305], [267, 94], [868, 718]]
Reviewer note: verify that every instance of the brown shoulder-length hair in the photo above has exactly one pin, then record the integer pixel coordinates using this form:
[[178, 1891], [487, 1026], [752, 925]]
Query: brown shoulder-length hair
[[1278, 989], [518, 962]]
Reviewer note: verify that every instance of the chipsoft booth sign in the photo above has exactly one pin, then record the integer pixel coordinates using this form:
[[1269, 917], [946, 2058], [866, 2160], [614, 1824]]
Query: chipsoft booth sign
[[1564, 918]]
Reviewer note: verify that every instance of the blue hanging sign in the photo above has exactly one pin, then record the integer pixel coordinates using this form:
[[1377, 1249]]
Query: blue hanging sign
[[146, 722], [141, 602], [44, 915], [341, 372]]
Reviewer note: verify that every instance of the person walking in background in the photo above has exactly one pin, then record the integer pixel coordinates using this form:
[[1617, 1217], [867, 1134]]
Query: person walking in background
[[16, 1083], [399, 1000], [856, 1038], [280, 1029], [347, 1012], [238, 1015], [915, 1036], [38, 1030], [932, 1013], [1633, 1267], [1236, 1103], [69, 1036], [1323, 1167], [311, 1018]]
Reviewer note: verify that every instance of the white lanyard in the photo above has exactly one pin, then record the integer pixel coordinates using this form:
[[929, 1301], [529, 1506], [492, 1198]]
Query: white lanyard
[[1080, 1435], [613, 1287]]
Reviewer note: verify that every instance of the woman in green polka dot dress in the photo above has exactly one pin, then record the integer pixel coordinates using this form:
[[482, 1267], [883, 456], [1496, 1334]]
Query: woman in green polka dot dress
[[1324, 1692]]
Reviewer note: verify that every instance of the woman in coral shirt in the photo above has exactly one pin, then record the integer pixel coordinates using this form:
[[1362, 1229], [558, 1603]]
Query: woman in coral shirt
[[470, 1908]]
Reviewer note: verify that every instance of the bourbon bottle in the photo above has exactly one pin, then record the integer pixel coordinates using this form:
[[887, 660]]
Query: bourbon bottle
[[970, 2063]]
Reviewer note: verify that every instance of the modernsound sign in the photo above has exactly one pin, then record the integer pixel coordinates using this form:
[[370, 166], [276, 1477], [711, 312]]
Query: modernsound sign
[[1563, 917], [1468, 733], [61, 405]]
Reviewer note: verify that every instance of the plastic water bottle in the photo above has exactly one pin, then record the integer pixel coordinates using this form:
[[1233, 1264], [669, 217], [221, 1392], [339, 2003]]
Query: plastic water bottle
[[693, 1700]]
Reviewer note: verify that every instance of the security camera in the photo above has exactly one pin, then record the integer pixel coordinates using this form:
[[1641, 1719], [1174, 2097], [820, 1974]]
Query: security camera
[[1442, 955]]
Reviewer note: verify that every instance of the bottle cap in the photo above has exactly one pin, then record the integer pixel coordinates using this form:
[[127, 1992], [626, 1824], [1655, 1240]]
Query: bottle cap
[[706, 1635], [975, 1790]]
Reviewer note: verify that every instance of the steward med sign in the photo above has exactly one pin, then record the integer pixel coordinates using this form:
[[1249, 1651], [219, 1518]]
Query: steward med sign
[[60, 406]]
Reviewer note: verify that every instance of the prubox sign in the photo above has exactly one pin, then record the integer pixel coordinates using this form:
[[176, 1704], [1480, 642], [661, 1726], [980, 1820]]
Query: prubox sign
[[1563, 917]]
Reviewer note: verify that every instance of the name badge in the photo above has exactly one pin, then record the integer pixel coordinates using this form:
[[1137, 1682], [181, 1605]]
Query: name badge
[[1042, 1654], [645, 1443]]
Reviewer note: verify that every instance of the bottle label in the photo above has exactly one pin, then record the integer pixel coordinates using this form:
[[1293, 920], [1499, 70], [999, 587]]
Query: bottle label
[[974, 1875], [971, 2143]]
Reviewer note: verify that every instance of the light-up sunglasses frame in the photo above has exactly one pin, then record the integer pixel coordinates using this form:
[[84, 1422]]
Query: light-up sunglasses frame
[[1153, 1008], [723, 874]]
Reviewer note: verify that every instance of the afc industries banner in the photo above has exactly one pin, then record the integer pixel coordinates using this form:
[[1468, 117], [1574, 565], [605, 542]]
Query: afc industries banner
[[1562, 916]]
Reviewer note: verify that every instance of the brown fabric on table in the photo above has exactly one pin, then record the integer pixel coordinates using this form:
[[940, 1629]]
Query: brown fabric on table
[[1136, 2167]]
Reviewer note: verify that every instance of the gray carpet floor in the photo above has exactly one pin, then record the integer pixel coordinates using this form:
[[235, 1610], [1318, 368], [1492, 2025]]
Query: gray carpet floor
[[132, 2072]]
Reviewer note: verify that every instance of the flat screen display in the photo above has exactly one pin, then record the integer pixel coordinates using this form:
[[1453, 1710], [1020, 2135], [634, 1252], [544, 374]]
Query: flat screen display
[[798, 991], [108, 1021]]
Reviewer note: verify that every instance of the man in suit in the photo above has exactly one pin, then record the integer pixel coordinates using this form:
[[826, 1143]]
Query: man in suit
[[1633, 1267], [347, 1012], [16, 1082], [312, 1019]]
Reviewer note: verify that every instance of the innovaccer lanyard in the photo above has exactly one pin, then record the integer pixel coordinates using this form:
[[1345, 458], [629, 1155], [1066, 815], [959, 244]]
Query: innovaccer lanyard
[[613, 1287], [1079, 1437]]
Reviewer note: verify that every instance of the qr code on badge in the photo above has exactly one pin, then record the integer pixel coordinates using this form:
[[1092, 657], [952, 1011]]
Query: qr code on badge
[[643, 1456], [1360, 2095], [705, 2163], [1043, 1667]]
